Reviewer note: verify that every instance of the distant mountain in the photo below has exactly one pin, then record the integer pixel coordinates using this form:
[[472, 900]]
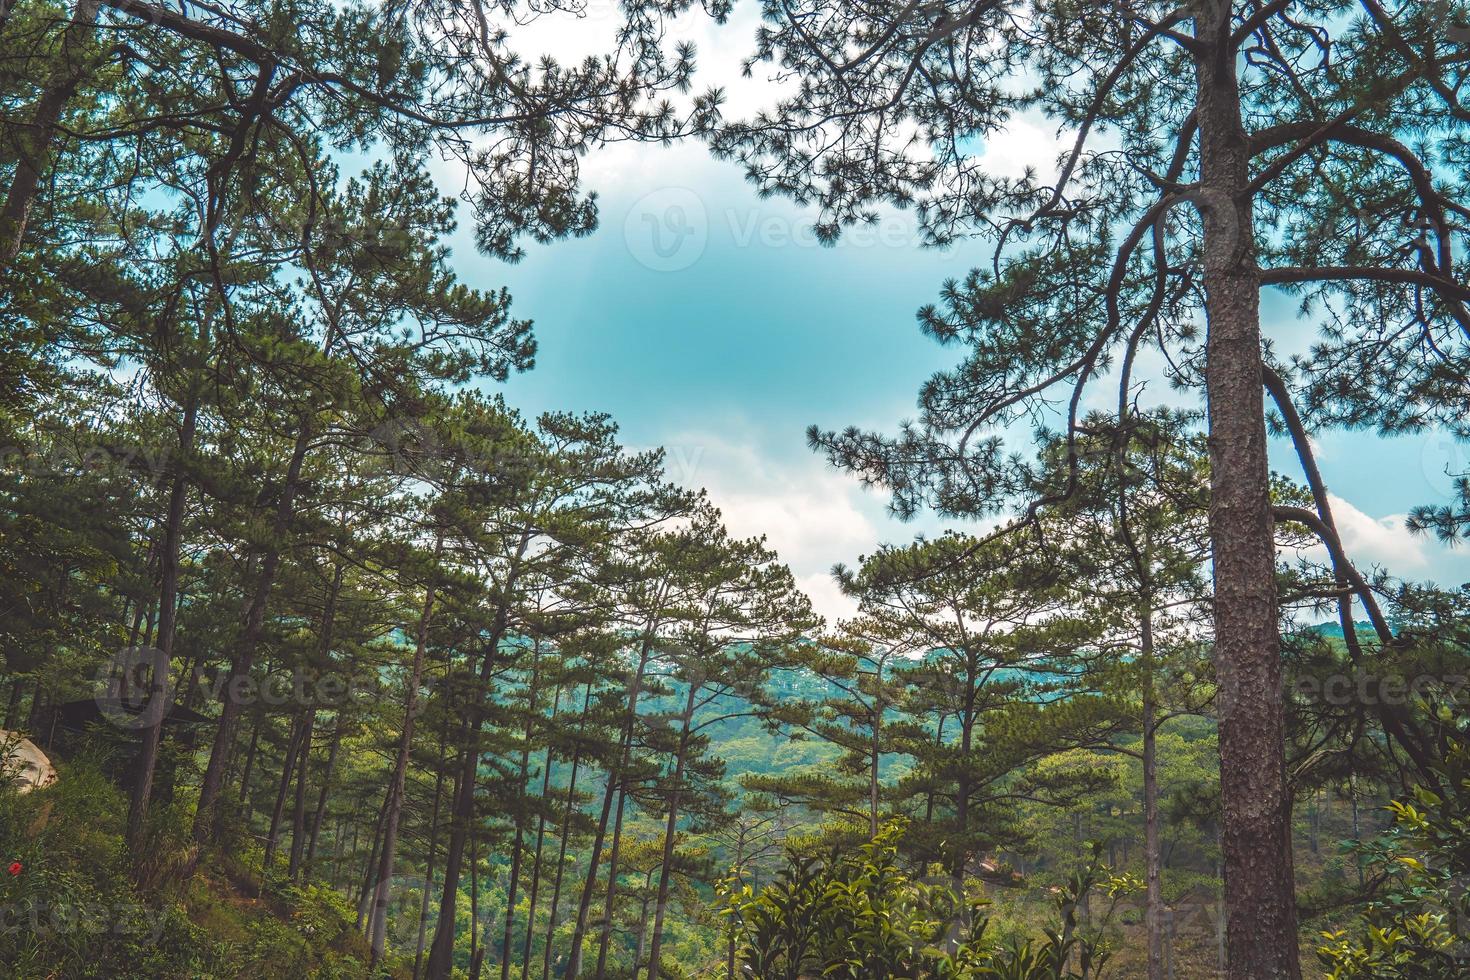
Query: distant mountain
[[1363, 628]]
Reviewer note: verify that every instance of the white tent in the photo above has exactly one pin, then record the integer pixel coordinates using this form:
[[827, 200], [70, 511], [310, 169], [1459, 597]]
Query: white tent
[[23, 764]]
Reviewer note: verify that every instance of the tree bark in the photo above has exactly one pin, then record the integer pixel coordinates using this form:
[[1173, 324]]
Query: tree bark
[[1255, 801]]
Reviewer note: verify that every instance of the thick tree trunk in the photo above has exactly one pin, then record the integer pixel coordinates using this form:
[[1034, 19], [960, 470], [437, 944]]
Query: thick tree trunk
[[1255, 799]]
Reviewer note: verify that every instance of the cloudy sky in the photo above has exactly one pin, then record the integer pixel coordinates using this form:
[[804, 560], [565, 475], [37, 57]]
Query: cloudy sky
[[708, 321]]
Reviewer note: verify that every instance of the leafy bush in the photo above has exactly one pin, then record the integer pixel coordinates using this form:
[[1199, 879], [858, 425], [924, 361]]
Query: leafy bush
[[1418, 927], [849, 917]]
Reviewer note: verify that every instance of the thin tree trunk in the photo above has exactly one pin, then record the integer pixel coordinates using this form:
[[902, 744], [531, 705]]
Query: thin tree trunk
[[393, 806], [477, 949], [31, 146], [288, 768], [614, 865], [321, 797], [1155, 899], [249, 759], [418, 953], [517, 848], [561, 851], [12, 707], [369, 872], [1255, 800], [876, 756], [666, 869], [441, 951], [298, 803], [540, 842], [324, 660], [641, 941], [614, 778], [206, 815], [168, 600]]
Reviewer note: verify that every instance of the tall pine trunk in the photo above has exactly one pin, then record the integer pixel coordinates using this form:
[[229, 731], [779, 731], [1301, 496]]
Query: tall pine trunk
[[31, 146], [462, 813], [561, 851], [540, 846], [205, 816], [671, 826], [1153, 915], [393, 806], [168, 600], [418, 953], [320, 812], [1255, 800], [517, 848], [288, 768], [615, 777]]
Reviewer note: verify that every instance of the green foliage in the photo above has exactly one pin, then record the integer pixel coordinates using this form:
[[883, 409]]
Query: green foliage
[[862, 915], [1416, 929], [73, 910]]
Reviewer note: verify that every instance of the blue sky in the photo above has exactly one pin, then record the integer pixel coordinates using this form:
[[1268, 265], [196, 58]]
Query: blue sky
[[708, 321]]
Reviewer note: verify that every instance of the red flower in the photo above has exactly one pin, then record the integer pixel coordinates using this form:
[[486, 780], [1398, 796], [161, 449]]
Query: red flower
[[15, 868]]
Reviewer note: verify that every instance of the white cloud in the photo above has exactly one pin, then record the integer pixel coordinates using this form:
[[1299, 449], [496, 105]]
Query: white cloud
[[811, 515], [1026, 142], [1382, 542]]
